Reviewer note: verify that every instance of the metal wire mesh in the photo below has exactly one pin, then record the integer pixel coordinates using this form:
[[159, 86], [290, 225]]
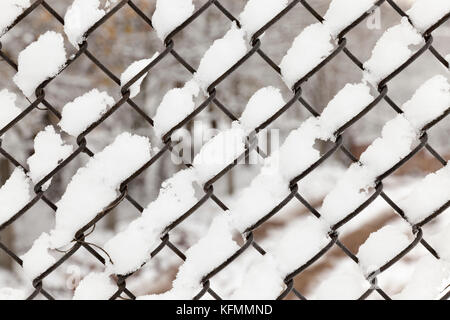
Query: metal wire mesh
[[79, 242]]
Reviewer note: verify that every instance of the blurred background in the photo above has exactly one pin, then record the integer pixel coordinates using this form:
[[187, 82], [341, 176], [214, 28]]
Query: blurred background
[[125, 38]]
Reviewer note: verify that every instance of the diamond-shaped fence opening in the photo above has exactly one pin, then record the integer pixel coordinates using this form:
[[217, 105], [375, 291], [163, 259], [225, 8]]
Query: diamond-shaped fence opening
[[259, 149]]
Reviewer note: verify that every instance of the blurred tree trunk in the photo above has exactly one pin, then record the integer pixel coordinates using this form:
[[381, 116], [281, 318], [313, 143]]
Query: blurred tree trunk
[[7, 235]]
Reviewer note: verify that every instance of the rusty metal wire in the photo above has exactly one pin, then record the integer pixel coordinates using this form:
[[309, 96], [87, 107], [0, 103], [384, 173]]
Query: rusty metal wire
[[256, 50]]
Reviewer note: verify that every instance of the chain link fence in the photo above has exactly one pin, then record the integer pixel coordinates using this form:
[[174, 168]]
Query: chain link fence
[[213, 101]]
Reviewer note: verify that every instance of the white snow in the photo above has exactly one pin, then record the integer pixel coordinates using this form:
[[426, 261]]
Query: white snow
[[176, 104], [263, 104], [14, 194], [40, 61], [10, 10], [421, 110], [169, 14], [177, 195], [11, 294], [316, 185], [79, 114], [297, 152], [201, 259], [253, 288], [346, 284], [427, 196], [285, 256], [227, 50], [91, 189], [427, 281], [310, 48], [257, 13], [381, 246], [347, 103], [391, 51], [38, 258], [81, 16], [8, 109], [343, 13], [95, 286], [354, 186], [440, 242], [289, 252], [395, 143], [132, 71], [49, 151], [95, 185], [265, 192], [109, 3], [219, 152], [425, 13]]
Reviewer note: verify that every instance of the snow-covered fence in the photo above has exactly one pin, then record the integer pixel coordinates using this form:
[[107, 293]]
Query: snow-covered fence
[[103, 183]]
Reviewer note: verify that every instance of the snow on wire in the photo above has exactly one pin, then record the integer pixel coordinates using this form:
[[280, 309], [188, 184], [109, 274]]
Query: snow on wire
[[102, 184]]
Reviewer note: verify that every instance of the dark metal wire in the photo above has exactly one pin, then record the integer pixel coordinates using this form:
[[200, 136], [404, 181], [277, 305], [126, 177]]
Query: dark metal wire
[[42, 104]]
